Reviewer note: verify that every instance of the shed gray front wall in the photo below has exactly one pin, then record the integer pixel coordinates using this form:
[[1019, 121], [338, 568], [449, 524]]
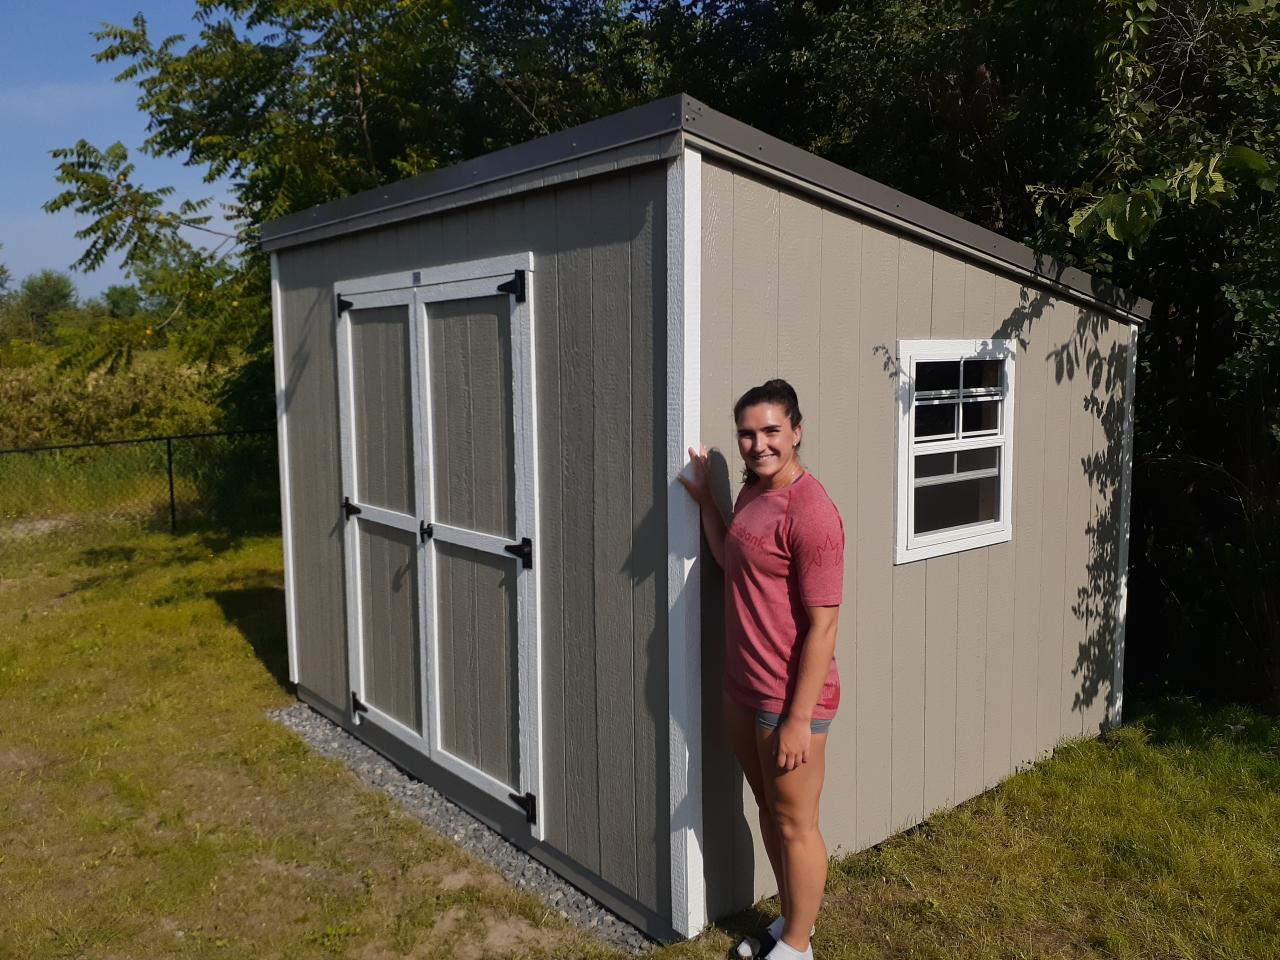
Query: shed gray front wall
[[957, 670], [599, 294]]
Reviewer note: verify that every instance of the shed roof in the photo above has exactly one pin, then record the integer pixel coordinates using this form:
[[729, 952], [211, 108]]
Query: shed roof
[[659, 130]]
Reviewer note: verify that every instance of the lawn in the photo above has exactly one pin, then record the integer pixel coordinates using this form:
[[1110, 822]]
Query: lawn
[[150, 808]]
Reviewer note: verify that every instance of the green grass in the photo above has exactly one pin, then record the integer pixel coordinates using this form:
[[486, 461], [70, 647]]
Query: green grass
[[149, 808]]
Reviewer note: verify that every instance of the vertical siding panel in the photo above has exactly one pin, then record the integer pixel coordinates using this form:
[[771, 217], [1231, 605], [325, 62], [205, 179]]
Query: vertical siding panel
[[647, 563], [1076, 583], [799, 306], [577, 409], [755, 359], [877, 411], [1023, 320], [755, 286], [725, 829], [611, 361], [540, 229], [971, 646], [311, 397], [997, 729], [941, 592], [942, 584], [915, 294], [839, 374], [1059, 348]]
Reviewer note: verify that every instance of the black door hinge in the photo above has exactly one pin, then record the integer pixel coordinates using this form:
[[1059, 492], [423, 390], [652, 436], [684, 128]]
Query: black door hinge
[[523, 550], [357, 707], [528, 803], [344, 305], [348, 508], [515, 286], [426, 531]]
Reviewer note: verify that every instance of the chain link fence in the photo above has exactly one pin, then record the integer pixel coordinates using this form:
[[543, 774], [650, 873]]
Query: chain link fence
[[225, 481]]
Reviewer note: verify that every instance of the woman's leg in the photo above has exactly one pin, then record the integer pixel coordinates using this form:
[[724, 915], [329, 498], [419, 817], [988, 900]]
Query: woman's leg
[[740, 722], [793, 798]]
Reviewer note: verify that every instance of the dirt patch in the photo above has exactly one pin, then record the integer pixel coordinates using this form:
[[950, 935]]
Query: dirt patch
[[507, 936], [452, 876], [23, 529], [18, 760]]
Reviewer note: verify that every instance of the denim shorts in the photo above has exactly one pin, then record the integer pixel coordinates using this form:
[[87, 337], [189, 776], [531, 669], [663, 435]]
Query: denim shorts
[[772, 721]]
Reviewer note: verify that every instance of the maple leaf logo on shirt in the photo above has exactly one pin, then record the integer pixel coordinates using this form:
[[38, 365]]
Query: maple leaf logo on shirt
[[820, 557]]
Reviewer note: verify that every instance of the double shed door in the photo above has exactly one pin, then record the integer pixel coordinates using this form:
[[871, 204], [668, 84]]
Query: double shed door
[[439, 474]]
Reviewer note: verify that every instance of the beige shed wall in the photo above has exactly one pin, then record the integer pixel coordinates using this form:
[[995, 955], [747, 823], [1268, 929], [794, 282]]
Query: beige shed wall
[[956, 671]]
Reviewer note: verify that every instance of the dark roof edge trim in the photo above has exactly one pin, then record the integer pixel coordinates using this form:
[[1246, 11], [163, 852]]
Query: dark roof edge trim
[[374, 207], [896, 208], [683, 115]]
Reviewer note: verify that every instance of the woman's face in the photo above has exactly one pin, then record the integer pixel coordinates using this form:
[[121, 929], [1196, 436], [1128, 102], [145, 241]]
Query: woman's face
[[767, 440]]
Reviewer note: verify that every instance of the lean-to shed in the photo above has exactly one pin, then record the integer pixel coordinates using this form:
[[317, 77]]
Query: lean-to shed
[[487, 379]]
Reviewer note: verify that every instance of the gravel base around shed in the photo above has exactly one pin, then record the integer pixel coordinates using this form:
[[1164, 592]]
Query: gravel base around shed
[[452, 822]]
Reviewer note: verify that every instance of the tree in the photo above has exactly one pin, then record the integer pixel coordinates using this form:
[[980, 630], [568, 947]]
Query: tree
[[31, 311], [1178, 199], [5, 279]]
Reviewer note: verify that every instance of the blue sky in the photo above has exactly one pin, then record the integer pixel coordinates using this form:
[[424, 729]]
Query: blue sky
[[52, 93]]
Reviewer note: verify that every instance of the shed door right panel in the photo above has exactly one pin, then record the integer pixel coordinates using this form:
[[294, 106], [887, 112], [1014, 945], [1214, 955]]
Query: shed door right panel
[[474, 484]]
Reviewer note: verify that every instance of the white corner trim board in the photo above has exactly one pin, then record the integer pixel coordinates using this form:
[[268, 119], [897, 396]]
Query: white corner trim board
[[282, 454], [684, 271], [1122, 562]]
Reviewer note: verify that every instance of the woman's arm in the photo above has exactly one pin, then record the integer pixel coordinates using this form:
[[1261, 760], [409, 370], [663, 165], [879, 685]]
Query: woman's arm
[[699, 488], [815, 662]]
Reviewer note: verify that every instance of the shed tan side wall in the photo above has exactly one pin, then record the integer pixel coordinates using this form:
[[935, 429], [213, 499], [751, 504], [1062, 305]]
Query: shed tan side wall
[[957, 670], [599, 294]]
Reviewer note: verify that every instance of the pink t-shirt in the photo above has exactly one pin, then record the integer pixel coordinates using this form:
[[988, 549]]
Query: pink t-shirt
[[784, 552]]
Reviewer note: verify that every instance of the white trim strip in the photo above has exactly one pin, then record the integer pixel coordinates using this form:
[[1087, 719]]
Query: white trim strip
[[684, 322], [1114, 709], [474, 539], [282, 455], [431, 276], [388, 518], [478, 778]]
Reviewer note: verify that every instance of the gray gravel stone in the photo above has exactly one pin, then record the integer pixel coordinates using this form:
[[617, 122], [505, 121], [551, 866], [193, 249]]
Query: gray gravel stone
[[449, 820]]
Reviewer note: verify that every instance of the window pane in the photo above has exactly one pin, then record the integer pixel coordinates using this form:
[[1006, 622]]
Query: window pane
[[935, 465], [944, 505], [985, 459], [937, 375], [936, 420], [981, 416], [982, 373]]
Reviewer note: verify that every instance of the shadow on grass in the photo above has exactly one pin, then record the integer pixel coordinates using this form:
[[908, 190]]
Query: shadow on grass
[[117, 564], [258, 613], [1192, 723]]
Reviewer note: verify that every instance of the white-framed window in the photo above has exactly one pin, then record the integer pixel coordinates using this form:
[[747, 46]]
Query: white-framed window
[[955, 446]]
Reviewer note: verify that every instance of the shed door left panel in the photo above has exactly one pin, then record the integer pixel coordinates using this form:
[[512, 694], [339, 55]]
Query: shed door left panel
[[377, 354]]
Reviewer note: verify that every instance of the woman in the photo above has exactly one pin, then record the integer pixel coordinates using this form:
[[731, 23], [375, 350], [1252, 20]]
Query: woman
[[783, 560]]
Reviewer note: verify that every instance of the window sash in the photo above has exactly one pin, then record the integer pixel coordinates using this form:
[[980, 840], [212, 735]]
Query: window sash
[[911, 545]]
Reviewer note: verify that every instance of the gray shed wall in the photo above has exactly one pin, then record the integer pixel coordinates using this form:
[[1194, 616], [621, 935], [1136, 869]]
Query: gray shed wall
[[957, 670], [599, 294]]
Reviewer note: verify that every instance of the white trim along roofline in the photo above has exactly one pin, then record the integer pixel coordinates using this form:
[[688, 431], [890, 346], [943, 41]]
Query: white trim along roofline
[[684, 605]]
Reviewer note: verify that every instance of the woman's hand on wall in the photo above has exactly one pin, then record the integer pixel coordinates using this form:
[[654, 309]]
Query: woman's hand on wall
[[699, 486]]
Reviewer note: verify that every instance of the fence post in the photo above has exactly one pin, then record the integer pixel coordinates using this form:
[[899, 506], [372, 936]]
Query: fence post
[[173, 510]]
